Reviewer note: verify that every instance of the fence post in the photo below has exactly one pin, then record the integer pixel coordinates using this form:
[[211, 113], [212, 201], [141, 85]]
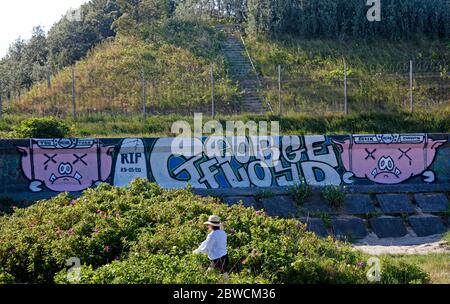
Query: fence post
[[279, 90], [213, 106], [1, 100], [345, 89], [411, 95], [74, 108], [49, 79], [144, 93]]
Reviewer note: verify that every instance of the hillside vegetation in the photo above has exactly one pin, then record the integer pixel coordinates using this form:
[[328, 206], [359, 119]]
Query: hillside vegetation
[[175, 63], [312, 73], [14, 126], [144, 234], [172, 43]]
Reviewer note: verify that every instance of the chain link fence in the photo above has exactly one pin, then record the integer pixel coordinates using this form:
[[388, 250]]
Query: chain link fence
[[415, 86], [422, 86]]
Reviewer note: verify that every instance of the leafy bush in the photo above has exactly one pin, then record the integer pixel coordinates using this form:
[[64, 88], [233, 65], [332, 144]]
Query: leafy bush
[[6, 278], [300, 193], [144, 234], [334, 195], [148, 269], [46, 127], [399, 272]]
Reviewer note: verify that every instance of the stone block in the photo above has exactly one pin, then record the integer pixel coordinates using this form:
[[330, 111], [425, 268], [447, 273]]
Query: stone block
[[349, 228], [358, 204], [395, 204], [388, 227], [425, 225], [315, 225], [282, 206], [432, 203]]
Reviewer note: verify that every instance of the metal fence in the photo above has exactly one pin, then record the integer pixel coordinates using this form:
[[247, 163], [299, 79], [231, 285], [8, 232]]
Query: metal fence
[[411, 86]]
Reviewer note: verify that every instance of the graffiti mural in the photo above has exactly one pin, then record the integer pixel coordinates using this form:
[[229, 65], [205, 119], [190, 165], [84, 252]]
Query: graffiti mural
[[309, 159], [65, 164], [73, 165], [131, 162], [389, 159]]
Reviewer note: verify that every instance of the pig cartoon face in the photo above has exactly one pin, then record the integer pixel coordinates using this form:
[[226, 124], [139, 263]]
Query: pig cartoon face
[[65, 164], [389, 159]]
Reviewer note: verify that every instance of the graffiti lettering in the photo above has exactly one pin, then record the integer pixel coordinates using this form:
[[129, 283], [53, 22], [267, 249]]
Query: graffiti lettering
[[74, 165], [310, 159]]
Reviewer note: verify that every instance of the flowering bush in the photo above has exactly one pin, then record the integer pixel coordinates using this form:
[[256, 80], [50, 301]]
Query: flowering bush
[[144, 234]]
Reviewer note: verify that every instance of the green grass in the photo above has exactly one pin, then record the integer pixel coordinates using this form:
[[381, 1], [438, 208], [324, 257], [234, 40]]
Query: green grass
[[292, 124], [312, 72], [447, 237], [436, 265]]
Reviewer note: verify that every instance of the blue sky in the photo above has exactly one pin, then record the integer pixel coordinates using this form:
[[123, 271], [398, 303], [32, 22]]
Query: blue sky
[[17, 17]]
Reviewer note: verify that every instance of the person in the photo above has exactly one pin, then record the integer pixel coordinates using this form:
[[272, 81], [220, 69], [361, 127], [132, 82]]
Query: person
[[215, 245]]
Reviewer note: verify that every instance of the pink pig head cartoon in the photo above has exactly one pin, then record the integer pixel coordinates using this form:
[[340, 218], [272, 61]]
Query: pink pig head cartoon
[[389, 158], [62, 165]]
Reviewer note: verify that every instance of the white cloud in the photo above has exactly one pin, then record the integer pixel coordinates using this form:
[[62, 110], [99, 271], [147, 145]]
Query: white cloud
[[18, 17]]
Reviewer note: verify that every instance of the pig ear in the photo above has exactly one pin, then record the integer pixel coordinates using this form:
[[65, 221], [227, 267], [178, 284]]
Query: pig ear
[[23, 151], [110, 150], [340, 145], [437, 143]]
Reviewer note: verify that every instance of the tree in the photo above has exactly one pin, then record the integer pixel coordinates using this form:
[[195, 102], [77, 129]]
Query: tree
[[70, 40]]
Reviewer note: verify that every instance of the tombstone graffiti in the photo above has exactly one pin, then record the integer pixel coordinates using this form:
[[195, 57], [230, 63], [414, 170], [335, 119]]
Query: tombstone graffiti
[[131, 162], [73, 165], [389, 159], [65, 164]]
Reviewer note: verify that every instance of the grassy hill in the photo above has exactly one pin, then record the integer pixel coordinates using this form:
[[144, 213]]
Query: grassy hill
[[165, 53], [176, 57], [312, 72], [175, 60]]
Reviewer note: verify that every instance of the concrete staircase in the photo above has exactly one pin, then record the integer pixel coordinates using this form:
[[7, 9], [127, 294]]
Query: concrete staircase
[[241, 71]]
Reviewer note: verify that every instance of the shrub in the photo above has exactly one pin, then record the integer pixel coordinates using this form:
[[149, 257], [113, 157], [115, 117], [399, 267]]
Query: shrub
[[144, 234], [148, 269], [6, 278], [46, 127], [446, 237], [300, 193], [399, 272], [334, 195]]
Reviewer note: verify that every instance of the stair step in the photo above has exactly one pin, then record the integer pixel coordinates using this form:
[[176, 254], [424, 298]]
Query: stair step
[[241, 70]]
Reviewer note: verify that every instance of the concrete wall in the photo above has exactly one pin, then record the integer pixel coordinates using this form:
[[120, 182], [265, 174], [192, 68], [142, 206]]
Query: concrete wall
[[41, 168]]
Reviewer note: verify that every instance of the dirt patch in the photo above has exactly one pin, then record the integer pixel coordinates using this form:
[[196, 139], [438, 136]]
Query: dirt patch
[[409, 244]]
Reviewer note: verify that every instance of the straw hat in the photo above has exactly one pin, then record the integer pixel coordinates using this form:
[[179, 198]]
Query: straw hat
[[213, 220]]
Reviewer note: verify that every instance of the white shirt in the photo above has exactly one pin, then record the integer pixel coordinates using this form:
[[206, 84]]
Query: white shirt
[[215, 245]]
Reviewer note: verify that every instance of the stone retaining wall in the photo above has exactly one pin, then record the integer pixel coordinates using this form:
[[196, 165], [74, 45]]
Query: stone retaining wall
[[391, 215]]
